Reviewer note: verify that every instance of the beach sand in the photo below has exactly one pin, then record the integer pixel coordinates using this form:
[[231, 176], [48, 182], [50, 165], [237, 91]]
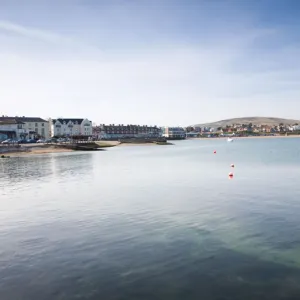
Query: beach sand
[[37, 150]]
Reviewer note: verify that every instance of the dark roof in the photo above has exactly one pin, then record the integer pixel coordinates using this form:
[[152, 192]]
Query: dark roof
[[23, 119], [79, 121], [8, 120], [31, 119]]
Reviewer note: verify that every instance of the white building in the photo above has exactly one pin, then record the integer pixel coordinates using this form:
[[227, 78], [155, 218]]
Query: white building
[[25, 127], [173, 133], [71, 127], [295, 128], [35, 127], [11, 129]]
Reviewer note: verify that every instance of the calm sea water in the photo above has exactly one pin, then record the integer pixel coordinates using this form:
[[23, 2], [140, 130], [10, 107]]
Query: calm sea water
[[153, 222]]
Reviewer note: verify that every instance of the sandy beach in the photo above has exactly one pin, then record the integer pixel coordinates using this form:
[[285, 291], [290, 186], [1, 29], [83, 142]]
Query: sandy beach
[[36, 150]]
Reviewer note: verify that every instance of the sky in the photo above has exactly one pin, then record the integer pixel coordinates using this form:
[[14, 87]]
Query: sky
[[154, 62]]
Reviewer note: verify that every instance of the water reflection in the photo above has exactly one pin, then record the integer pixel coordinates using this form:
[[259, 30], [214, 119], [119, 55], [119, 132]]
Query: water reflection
[[37, 168], [152, 223]]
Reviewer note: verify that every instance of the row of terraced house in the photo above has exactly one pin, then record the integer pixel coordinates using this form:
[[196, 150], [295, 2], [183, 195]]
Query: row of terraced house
[[114, 132], [38, 128]]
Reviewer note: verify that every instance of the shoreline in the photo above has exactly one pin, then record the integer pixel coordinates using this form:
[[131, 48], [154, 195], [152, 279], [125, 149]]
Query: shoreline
[[144, 144], [36, 151], [245, 137]]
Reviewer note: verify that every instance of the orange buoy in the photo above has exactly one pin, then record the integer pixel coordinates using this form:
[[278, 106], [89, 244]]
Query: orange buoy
[[232, 165]]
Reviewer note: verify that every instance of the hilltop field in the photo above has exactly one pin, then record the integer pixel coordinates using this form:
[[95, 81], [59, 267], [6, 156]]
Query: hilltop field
[[247, 120]]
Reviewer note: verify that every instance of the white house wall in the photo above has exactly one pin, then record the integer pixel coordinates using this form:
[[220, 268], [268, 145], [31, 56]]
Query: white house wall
[[71, 128]]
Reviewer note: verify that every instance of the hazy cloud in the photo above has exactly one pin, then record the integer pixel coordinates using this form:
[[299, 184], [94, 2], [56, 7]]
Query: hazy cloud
[[46, 73]]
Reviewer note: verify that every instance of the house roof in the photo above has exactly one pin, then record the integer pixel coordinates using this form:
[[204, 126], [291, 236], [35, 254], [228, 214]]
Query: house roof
[[9, 121], [73, 120], [23, 119], [31, 119]]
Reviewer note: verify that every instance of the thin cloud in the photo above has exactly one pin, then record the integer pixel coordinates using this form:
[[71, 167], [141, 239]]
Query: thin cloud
[[175, 82], [31, 33]]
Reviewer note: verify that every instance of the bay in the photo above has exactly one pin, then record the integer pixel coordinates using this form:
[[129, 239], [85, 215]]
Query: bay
[[153, 222]]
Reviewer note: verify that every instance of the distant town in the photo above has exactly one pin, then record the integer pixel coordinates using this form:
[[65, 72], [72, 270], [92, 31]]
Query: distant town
[[33, 129]]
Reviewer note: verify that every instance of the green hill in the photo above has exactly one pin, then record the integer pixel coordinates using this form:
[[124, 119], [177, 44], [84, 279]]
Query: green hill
[[247, 120]]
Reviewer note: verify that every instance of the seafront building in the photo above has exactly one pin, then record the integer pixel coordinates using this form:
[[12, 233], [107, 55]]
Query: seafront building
[[113, 132], [173, 133], [294, 128], [11, 129], [23, 128], [68, 127]]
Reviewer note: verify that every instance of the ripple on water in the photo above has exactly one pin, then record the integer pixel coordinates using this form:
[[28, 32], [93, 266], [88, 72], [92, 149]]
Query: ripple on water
[[152, 223]]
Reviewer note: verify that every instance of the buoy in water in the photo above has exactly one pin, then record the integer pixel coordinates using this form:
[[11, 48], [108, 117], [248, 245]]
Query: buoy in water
[[232, 165], [215, 152], [230, 175]]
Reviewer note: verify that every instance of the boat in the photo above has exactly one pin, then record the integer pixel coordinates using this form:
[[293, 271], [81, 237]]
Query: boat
[[229, 140]]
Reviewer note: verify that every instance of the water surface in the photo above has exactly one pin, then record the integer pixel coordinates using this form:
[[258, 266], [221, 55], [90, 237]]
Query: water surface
[[153, 222]]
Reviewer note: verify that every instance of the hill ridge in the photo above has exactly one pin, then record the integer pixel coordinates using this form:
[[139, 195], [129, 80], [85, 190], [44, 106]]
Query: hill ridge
[[246, 120]]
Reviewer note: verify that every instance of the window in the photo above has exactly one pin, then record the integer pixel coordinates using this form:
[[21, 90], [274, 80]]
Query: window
[[36, 124], [43, 124], [43, 132]]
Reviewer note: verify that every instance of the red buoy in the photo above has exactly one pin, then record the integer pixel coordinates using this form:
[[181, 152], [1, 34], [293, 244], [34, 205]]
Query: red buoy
[[230, 175], [232, 165], [215, 152]]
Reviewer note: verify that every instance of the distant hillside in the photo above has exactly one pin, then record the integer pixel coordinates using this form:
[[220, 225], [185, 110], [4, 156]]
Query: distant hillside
[[253, 120]]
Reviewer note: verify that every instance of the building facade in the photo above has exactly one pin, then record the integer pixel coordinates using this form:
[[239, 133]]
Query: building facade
[[70, 127], [295, 128], [11, 129], [25, 127], [173, 133], [127, 131]]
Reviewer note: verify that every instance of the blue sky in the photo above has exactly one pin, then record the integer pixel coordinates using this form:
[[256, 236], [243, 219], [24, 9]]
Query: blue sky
[[164, 62]]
